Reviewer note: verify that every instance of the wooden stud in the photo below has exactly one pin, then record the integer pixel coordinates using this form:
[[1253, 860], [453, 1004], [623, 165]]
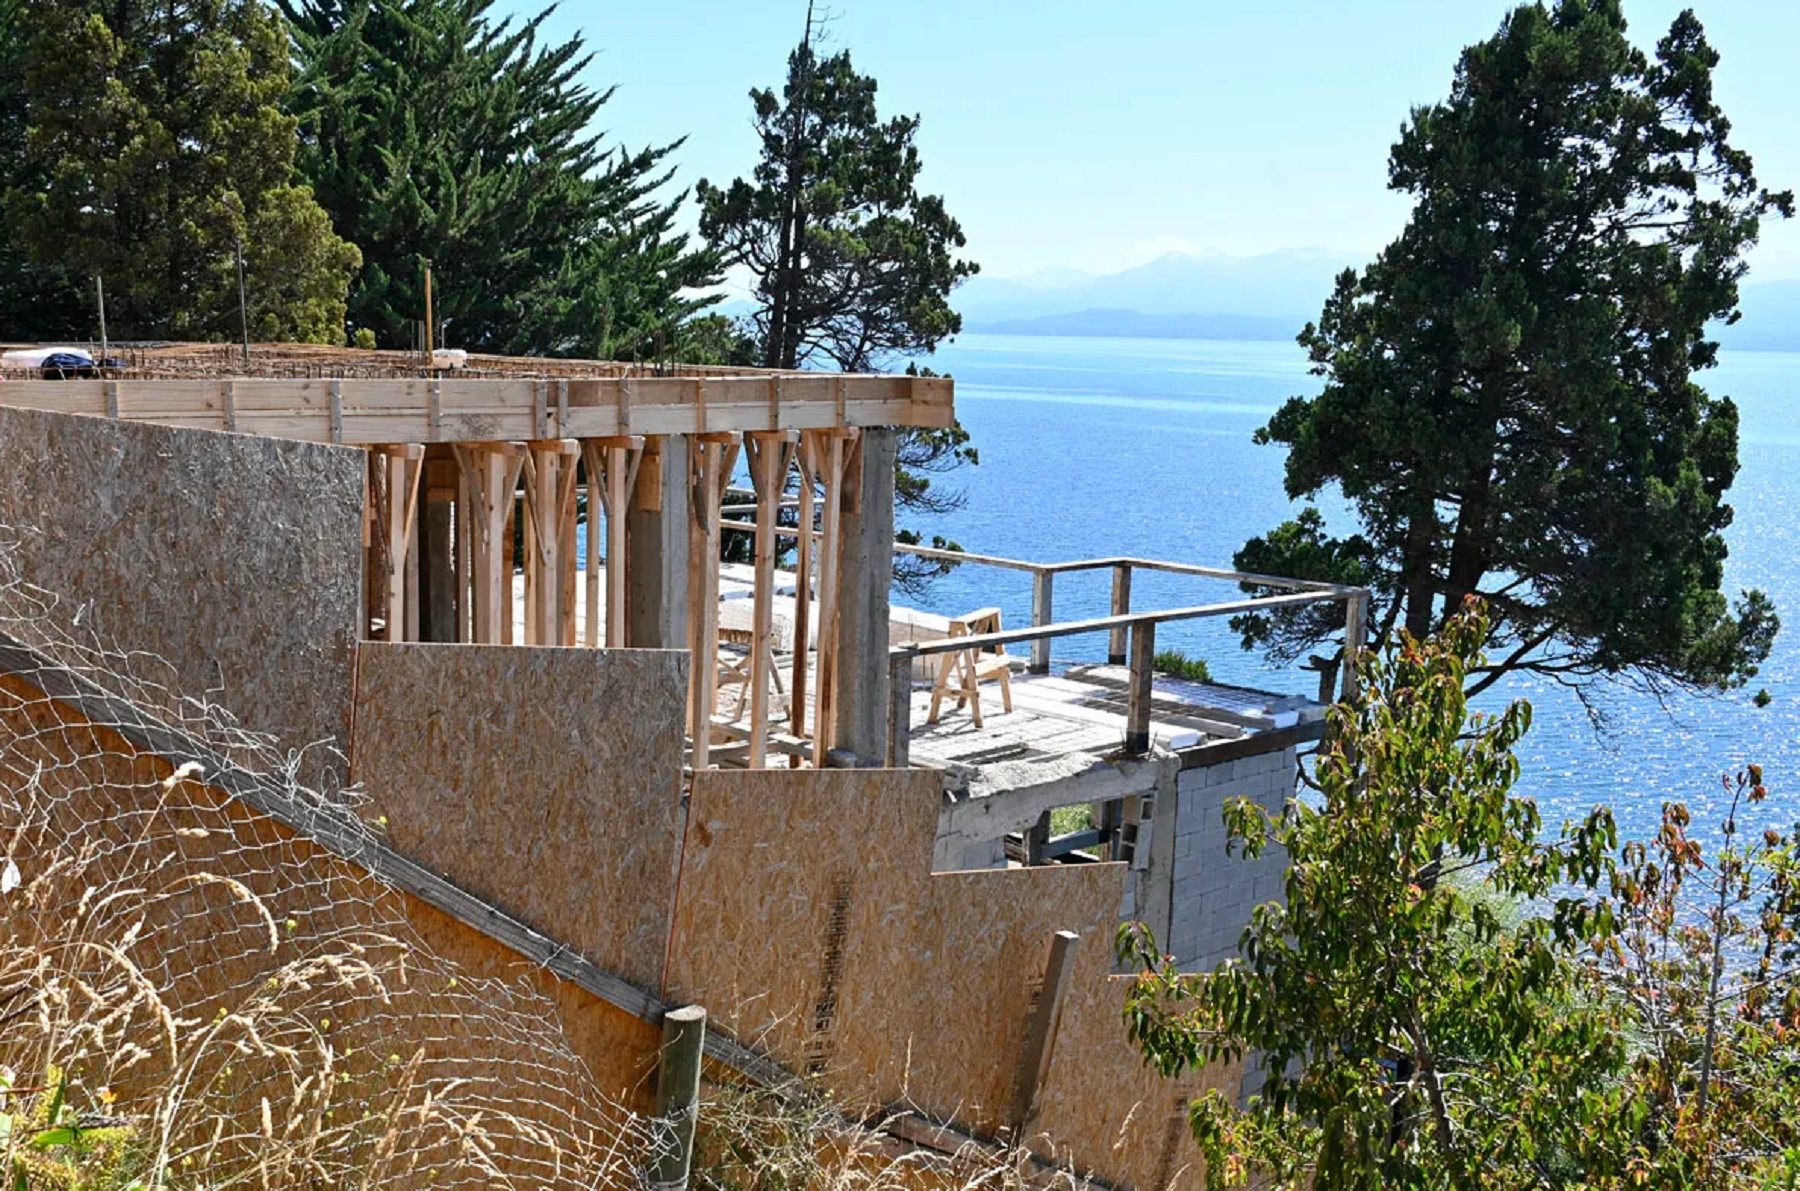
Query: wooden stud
[[831, 449], [711, 460], [770, 455], [434, 401], [337, 411], [625, 405], [227, 392], [803, 569]]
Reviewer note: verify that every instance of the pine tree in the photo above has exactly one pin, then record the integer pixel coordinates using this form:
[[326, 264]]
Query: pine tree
[[1510, 403], [37, 302], [157, 133], [853, 265], [437, 135]]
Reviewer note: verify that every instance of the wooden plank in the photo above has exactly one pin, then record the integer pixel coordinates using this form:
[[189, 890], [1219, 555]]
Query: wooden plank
[[771, 456]]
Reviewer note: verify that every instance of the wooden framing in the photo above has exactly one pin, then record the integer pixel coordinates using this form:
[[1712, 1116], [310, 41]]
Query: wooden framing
[[771, 457], [712, 458], [362, 412], [549, 507], [490, 474], [829, 454], [612, 470]]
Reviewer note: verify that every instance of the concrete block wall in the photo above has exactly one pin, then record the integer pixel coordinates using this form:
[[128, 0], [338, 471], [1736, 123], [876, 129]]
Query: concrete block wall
[[1213, 893]]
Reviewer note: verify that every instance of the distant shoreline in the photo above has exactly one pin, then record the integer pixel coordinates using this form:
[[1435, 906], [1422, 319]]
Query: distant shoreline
[[1113, 323]]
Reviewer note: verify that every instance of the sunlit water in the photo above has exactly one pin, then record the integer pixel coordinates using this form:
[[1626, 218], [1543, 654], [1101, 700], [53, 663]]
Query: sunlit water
[[1093, 447]]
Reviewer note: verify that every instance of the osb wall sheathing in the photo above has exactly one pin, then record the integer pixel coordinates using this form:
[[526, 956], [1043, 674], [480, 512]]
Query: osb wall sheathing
[[799, 896], [236, 559], [545, 781], [78, 799], [981, 940], [1102, 1107]]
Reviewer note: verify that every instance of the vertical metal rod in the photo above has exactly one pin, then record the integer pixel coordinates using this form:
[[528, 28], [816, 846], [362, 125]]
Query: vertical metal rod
[[243, 301], [430, 329], [678, 1096], [1121, 606], [100, 293], [1042, 600]]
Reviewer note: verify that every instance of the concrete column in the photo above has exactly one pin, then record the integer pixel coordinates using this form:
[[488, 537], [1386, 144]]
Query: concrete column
[[656, 530], [865, 572]]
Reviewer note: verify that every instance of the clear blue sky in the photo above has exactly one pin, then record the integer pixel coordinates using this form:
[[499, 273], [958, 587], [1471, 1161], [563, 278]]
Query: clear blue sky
[[1099, 135]]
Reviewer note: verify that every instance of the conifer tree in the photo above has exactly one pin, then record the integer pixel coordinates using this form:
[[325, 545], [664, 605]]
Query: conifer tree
[[853, 265], [435, 134], [155, 147], [37, 302], [1510, 403]]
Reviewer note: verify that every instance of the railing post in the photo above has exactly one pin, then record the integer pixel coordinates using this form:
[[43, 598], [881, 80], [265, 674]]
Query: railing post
[[1137, 715], [899, 709], [678, 1096], [1356, 634], [1121, 606], [1041, 615]]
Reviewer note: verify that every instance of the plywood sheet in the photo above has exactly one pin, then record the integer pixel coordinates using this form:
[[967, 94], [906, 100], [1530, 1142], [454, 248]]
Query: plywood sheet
[[1102, 1109], [800, 891], [545, 781], [238, 560], [950, 1044]]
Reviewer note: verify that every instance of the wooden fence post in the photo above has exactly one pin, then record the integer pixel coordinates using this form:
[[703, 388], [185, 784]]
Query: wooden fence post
[[1137, 715], [1121, 606], [1041, 615], [1356, 633], [1040, 1037], [678, 1096]]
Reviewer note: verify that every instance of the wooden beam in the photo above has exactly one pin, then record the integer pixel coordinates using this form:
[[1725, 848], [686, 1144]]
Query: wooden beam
[[490, 473], [803, 569], [1040, 1036], [613, 465], [830, 452], [371, 412]]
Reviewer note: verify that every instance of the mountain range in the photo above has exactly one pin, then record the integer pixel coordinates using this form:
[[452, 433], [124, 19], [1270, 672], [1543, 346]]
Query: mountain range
[[1269, 296]]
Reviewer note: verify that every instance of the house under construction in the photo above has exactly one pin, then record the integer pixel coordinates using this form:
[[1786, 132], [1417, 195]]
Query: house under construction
[[489, 592]]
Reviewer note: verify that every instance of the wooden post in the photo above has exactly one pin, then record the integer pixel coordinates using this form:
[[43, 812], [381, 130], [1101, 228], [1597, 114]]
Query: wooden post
[[568, 521], [865, 574], [612, 465], [1137, 717], [403, 465], [656, 540], [1042, 613], [441, 562], [803, 555], [1121, 606], [678, 1096], [490, 471], [899, 753], [1356, 634], [771, 454], [830, 452], [1040, 1036], [712, 457]]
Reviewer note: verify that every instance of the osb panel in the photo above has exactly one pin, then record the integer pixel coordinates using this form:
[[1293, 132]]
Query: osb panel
[[545, 781], [1102, 1109], [950, 1042], [619, 1049], [237, 559], [796, 920]]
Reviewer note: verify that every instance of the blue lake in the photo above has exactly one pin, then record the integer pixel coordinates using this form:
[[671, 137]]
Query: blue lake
[[1093, 447]]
